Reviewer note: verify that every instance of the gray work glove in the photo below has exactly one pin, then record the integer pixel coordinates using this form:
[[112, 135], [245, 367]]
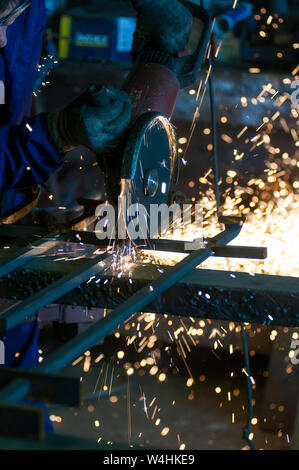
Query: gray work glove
[[96, 119], [161, 24]]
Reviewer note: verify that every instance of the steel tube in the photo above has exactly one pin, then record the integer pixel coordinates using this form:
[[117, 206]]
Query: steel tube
[[25, 254], [16, 313]]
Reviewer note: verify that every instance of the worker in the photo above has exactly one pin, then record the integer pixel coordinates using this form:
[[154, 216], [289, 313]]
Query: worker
[[32, 148]]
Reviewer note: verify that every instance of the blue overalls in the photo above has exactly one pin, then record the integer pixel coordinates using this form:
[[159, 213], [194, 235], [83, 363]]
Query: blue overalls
[[24, 143]]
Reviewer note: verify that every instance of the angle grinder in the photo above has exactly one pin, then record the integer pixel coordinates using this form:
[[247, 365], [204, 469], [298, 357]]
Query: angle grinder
[[145, 165]]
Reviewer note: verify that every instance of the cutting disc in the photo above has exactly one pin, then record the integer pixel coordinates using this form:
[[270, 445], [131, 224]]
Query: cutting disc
[[150, 167]]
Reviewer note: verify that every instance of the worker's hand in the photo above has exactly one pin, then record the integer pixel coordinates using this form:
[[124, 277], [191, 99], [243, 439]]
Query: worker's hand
[[96, 119], [161, 24]]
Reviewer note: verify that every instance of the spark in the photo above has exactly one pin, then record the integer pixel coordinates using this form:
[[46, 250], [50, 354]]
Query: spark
[[296, 70], [165, 431], [77, 360], [144, 405], [242, 132]]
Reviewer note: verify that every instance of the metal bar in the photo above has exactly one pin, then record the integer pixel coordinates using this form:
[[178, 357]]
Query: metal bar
[[233, 295], [48, 388], [225, 295], [23, 255], [14, 314], [71, 350], [231, 251], [174, 246]]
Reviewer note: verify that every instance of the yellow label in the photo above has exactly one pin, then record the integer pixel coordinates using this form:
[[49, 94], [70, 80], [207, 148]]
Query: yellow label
[[65, 33]]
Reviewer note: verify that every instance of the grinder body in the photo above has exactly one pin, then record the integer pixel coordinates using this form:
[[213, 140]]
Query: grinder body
[[147, 157], [152, 87], [156, 77]]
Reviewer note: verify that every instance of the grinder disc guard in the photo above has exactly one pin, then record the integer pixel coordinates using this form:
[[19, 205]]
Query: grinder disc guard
[[150, 166]]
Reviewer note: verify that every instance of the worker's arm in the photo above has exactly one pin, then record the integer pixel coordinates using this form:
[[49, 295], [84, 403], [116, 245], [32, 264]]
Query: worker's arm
[[161, 24], [32, 151], [96, 119], [27, 155]]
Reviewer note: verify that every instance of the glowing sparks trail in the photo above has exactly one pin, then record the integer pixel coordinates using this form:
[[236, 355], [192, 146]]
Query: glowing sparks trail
[[271, 206]]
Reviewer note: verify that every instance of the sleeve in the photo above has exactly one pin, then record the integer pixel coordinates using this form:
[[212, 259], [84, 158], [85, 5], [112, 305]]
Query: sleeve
[[27, 155]]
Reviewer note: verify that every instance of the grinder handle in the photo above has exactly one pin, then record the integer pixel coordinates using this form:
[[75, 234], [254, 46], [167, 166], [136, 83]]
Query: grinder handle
[[187, 67]]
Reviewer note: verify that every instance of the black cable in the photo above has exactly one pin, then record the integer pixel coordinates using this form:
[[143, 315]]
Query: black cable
[[246, 431], [214, 135]]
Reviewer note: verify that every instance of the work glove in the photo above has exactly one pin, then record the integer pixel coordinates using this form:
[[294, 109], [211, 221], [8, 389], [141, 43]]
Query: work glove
[[161, 24], [96, 119]]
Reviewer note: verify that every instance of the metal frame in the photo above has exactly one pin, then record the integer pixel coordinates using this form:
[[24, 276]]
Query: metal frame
[[19, 386]]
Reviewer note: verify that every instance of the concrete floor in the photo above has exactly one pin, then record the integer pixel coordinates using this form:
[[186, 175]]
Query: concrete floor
[[196, 416]]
